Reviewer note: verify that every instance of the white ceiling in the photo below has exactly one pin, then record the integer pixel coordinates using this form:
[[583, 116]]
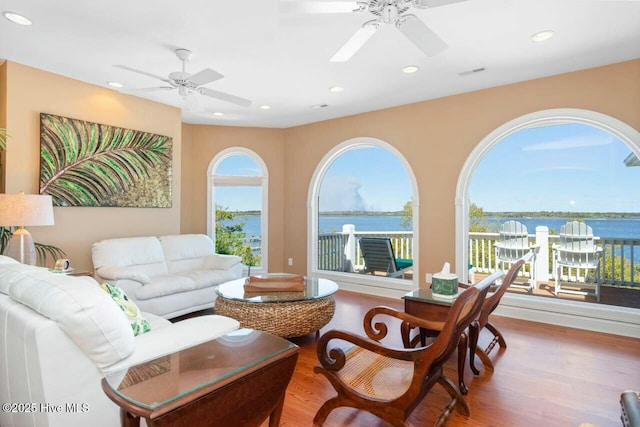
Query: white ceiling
[[283, 59]]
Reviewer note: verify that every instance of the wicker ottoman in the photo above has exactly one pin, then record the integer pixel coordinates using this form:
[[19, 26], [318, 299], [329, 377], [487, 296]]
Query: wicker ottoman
[[280, 313]]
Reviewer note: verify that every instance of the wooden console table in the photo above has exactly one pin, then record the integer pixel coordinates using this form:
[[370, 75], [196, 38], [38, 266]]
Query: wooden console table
[[239, 379]]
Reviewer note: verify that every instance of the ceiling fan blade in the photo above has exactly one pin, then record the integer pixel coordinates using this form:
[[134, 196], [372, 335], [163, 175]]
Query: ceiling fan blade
[[420, 35], [357, 40], [124, 67], [224, 96], [205, 76], [423, 4], [148, 89], [298, 6]]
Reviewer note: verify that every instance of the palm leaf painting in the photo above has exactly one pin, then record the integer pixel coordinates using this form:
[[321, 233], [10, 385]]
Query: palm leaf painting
[[91, 164]]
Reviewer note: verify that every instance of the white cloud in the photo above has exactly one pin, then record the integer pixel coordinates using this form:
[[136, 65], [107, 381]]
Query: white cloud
[[572, 142], [339, 193]]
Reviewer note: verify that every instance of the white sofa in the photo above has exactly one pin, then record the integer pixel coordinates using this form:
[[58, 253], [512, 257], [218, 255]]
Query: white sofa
[[167, 276], [59, 335]]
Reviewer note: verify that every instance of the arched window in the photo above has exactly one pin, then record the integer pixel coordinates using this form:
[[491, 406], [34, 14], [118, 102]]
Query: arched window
[[237, 206], [363, 188], [568, 160]]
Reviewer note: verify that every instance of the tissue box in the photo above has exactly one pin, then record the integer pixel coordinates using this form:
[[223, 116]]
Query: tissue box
[[444, 284]]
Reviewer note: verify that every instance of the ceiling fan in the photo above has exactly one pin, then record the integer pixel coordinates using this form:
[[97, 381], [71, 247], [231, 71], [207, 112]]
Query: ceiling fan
[[188, 84], [385, 12]]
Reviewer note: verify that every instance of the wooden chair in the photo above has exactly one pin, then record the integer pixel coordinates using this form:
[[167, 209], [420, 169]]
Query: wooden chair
[[577, 250], [379, 256], [490, 304], [391, 382], [513, 245]]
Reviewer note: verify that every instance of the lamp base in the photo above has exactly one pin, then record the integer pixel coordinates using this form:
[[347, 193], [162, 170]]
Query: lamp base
[[21, 247]]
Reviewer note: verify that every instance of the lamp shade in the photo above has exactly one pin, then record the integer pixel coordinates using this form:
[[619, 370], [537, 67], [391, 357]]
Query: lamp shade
[[25, 210]]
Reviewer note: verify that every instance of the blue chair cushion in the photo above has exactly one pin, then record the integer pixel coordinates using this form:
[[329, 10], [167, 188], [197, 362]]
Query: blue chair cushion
[[403, 263]]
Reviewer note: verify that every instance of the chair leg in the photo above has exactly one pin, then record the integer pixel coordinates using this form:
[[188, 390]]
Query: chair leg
[[457, 399], [496, 333], [325, 410], [473, 348]]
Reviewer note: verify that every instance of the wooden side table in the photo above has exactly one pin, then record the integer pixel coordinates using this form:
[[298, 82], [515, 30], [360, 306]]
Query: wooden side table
[[422, 304], [239, 379]]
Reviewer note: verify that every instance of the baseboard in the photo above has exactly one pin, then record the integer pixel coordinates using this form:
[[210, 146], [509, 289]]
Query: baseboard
[[571, 314]]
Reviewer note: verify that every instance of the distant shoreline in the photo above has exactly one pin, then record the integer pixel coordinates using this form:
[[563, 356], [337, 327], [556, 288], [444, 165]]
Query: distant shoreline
[[541, 214]]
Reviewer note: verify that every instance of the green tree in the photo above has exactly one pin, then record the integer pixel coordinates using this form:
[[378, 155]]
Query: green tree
[[477, 220], [407, 216], [230, 236]]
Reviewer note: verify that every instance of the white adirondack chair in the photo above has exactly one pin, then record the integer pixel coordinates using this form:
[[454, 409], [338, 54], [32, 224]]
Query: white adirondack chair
[[577, 250], [513, 245]]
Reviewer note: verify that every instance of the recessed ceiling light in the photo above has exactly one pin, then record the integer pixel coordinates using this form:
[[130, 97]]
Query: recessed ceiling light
[[542, 36], [336, 89], [16, 18], [409, 69], [265, 107], [319, 106], [115, 84], [218, 113]]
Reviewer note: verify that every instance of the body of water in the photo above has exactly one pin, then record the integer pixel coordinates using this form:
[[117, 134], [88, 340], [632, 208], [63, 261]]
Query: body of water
[[613, 228]]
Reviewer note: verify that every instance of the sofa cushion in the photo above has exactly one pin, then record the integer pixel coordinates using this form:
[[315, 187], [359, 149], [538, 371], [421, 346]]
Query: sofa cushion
[[145, 253], [10, 271], [139, 324], [165, 285], [185, 252], [83, 311], [206, 278]]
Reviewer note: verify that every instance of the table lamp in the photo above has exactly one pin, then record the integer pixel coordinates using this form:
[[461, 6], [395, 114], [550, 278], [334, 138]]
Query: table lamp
[[24, 210]]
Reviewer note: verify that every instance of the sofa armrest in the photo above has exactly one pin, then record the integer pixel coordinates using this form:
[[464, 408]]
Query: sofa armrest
[[118, 273], [172, 338], [220, 262]]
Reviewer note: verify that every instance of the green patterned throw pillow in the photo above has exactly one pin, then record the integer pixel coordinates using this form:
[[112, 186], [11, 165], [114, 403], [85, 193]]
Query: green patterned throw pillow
[[139, 324]]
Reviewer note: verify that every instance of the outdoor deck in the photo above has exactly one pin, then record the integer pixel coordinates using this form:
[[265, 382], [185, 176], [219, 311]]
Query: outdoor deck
[[619, 275]]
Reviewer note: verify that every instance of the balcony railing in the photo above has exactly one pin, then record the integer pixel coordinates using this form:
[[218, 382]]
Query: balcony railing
[[341, 252], [619, 265]]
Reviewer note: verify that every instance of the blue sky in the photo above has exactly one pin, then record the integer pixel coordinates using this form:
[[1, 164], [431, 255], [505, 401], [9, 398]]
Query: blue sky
[[570, 167], [366, 179]]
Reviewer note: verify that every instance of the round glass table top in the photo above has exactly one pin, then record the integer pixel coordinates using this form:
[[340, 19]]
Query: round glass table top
[[314, 288]]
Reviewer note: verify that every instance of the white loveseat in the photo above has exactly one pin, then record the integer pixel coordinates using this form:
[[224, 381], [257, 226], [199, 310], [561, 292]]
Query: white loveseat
[[59, 335], [168, 276]]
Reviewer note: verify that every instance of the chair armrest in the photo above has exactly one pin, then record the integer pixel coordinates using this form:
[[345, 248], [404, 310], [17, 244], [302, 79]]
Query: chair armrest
[[334, 358], [220, 261], [118, 273], [378, 330]]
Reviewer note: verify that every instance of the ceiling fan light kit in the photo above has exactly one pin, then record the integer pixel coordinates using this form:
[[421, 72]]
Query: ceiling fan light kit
[[385, 12]]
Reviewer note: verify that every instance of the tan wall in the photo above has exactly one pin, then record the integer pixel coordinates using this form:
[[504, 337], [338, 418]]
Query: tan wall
[[201, 144], [437, 137], [31, 92]]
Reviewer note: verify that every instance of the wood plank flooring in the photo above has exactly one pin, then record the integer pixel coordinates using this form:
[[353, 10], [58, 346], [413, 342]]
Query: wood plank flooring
[[548, 376]]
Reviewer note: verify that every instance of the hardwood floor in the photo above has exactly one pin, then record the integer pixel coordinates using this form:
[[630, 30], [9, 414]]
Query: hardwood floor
[[548, 376]]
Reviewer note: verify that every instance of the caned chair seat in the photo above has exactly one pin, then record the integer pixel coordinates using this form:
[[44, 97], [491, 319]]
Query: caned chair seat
[[374, 375]]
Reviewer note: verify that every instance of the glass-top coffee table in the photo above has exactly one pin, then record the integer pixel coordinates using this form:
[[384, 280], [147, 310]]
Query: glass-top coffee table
[[237, 379], [286, 314]]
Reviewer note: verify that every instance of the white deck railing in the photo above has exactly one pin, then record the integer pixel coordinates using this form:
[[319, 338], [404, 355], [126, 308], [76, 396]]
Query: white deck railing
[[619, 264]]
